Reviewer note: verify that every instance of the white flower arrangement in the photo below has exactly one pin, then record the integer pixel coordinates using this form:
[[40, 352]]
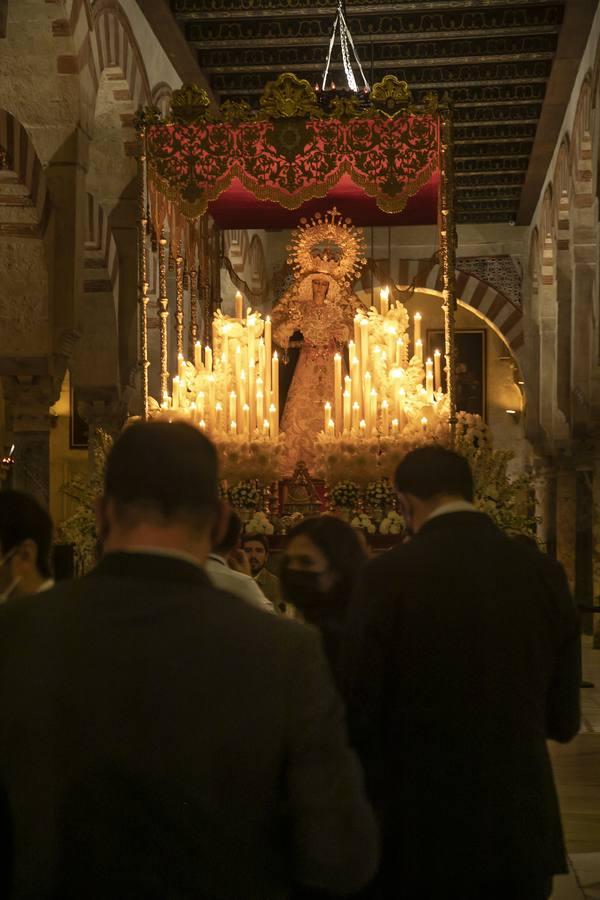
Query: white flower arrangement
[[364, 523], [345, 494], [260, 524], [391, 524], [244, 495], [242, 460], [379, 493]]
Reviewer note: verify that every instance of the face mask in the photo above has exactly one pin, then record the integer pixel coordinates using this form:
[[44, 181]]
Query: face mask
[[302, 588]]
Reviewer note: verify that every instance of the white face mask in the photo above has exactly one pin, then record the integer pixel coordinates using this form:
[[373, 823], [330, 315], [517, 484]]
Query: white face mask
[[4, 595]]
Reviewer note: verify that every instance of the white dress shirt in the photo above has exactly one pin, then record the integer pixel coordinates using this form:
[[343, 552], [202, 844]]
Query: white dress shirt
[[237, 583]]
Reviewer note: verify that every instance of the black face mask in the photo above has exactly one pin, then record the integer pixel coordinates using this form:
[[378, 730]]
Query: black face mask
[[302, 588]]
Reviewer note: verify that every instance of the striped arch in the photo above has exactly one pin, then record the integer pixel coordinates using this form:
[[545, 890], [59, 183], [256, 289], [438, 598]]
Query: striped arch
[[503, 315], [582, 151], [101, 262], [562, 193], [161, 97], [115, 47], [24, 199]]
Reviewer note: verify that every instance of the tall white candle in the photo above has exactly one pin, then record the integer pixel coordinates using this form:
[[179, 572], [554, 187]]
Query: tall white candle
[[261, 358], [364, 344], [180, 366], [373, 411], [260, 405], [417, 321], [239, 305], [347, 411], [233, 406], [390, 341], [419, 350], [385, 417], [176, 393], [268, 355], [233, 427], [251, 328], [429, 379], [238, 363], [366, 394], [275, 380], [241, 391], [327, 415], [197, 355], [246, 420], [337, 363], [395, 426], [384, 300], [356, 383], [218, 417], [355, 417], [252, 393], [273, 421], [437, 361], [356, 341], [331, 427], [212, 392], [200, 404], [208, 359]]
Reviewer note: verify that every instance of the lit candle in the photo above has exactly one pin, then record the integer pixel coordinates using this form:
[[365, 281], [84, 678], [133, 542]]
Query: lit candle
[[418, 318], [437, 361], [241, 395], [246, 420], [239, 305], [251, 328], [385, 417], [268, 353], [252, 393], [356, 385], [180, 366], [429, 379], [384, 300], [219, 417], [261, 358], [200, 403], [362, 428], [355, 417], [347, 411], [419, 350], [327, 411], [212, 391], [260, 405], [202, 425], [233, 427], [390, 341], [208, 359], [232, 406], [331, 427], [366, 393], [424, 423], [337, 362], [176, 393], [273, 421], [197, 355], [364, 344], [399, 349], [395, 426], [275, 379], [373, 411], [265, 427]]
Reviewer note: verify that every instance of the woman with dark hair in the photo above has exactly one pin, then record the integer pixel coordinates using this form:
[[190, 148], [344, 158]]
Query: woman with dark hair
[[322, 559]]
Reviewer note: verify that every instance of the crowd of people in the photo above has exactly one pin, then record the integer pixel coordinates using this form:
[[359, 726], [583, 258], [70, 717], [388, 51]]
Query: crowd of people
[[182, 723]]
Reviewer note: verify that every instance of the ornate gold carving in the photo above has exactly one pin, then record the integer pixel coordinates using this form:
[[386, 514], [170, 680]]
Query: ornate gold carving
[[163, 312], [448, 256], [143, 286], [189, 103], [391, 96], [289, 97], [236, 111], [193, 279], [179, 265], [328, 244], [147, 116]]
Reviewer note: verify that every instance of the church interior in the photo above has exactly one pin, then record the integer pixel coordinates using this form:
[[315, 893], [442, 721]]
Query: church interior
[[200, 218]]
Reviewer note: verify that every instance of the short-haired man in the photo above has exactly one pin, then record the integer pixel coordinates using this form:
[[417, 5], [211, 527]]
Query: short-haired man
[[459, 663], [225, 577], [160, 738], [25, 543], [256, 548]]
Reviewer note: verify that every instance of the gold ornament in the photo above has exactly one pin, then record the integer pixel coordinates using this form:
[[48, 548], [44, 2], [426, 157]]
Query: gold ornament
[[391, 96], [328, 244], [289, 97], [189, 104]]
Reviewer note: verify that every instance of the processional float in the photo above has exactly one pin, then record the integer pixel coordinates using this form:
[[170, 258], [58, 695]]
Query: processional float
[[299, 147]]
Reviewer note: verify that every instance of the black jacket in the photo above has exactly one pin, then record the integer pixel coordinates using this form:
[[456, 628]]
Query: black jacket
[[160, 738], [459, 662]]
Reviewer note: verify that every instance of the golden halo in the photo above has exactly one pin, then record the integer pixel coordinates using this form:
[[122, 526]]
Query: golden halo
[[329, 244]]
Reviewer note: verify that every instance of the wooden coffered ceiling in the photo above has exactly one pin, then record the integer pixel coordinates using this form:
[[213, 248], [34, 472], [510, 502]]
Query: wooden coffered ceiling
[[508, 65]]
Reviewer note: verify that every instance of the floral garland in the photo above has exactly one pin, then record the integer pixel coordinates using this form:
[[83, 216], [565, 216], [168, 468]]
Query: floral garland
[[244, 495], [379, 494], [345, 494]]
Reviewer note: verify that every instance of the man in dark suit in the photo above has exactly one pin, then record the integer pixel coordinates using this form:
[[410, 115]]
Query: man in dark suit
[[459, 664], [160, 738]]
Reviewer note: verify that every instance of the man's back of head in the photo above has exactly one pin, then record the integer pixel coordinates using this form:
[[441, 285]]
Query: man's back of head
[[25, 543], [429, 478], [160, 490]]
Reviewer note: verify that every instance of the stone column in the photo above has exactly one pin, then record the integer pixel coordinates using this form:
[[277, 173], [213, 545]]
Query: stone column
[[566, 518]]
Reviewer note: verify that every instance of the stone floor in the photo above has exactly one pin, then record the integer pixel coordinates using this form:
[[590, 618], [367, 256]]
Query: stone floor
[[577, 772]]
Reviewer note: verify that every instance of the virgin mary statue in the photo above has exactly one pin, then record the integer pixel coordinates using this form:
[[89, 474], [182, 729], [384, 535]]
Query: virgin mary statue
[[326, 257]]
